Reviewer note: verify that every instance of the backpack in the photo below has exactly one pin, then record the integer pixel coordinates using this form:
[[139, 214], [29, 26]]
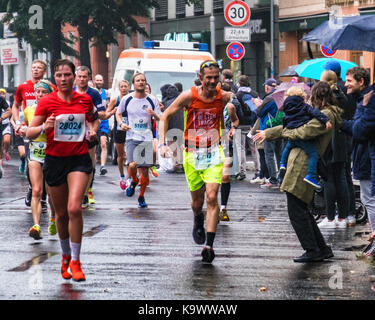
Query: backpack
[[246, 109]]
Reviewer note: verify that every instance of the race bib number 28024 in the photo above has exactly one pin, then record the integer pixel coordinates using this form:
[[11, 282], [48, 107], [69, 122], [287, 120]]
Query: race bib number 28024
[[70, 127]]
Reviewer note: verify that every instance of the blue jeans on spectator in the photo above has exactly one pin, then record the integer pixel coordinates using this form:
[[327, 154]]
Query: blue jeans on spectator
[[272, 150], [310, 149]]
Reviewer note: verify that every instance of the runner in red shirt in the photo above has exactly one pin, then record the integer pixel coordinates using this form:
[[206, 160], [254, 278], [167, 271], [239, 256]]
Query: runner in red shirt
[[25, 97], [25, 94], [64, 116]]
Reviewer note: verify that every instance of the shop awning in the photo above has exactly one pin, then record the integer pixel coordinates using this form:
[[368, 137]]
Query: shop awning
[[301, 23]]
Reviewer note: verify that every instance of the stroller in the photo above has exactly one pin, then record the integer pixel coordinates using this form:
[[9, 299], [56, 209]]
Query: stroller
[[317, 206]]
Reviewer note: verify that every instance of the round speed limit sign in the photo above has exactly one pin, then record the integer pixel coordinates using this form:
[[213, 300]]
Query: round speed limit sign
[[237, 13]]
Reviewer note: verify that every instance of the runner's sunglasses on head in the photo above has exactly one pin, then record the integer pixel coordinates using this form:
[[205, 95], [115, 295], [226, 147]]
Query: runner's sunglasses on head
[[209, 64]]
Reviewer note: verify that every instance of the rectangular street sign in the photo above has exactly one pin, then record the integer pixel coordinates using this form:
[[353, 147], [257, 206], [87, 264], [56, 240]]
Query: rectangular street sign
[[237, 34]]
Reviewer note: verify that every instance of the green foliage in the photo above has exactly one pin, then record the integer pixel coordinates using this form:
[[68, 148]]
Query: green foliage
[[99, 21], [40, 39]]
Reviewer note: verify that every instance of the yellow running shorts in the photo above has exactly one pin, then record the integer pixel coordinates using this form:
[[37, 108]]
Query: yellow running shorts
[[197, 178]]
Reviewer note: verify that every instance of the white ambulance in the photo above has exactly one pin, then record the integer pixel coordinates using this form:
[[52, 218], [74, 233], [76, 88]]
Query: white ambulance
[[163, 62]]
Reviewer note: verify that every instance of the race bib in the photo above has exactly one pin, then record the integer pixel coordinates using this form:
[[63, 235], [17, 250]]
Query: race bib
[[30, 103], [70, 127], [37, 151], [140, 124], [206, 158]]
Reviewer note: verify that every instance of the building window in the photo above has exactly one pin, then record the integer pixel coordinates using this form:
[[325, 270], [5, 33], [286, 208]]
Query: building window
[[127, 41], [180, 8], [218, 6], [199, 8], [140, 37], [161, 13]]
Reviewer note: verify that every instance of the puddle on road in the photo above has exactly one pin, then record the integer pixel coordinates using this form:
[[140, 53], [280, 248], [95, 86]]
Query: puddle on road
[[46, 255], [10, 201], [69, 293], [33, 262], [95, 230]]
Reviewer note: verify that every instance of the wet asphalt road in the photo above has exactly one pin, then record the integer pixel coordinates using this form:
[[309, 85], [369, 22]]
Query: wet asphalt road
[[146, 254]]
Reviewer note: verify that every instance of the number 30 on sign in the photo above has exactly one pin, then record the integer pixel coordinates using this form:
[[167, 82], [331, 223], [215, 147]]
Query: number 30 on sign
[[237, 13]]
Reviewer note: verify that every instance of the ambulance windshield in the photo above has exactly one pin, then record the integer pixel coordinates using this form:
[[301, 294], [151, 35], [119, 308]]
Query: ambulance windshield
[[157, 79]]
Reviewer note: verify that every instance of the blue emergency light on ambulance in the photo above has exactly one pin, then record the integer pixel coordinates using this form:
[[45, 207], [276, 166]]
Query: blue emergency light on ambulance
[[162, 62]]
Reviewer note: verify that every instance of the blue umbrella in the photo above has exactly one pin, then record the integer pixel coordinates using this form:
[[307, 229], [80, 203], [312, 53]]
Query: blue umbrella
[[345, 33], [313, 68]]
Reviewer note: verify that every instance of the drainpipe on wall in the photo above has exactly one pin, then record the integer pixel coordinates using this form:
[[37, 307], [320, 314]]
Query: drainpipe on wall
[[272, 39]]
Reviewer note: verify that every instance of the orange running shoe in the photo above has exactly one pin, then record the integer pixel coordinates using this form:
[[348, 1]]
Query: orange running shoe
[[65, 266], [75, 268]]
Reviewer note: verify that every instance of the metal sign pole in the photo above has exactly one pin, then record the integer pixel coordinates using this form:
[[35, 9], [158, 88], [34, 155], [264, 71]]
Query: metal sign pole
[[212, 30]]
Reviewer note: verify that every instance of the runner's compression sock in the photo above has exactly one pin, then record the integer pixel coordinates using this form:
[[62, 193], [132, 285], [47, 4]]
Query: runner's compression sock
[[76, 250], [65, 246], [44, 194], [199, 219], [144, 182], [225, 190], [92, 180], [210, 239]]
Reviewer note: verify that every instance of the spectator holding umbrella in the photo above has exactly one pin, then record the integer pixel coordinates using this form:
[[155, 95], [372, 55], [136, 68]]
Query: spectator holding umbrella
[[349, 109], [335, 182]]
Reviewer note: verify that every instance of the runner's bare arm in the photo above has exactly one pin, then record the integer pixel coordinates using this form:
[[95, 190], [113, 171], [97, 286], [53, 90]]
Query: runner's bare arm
[[153, 113], [112, 104], [16, 115], [7, 114], [102, 115], [37, 125], [123, 126], [226, 97], [182, 101], [93, 128], [233, 119]]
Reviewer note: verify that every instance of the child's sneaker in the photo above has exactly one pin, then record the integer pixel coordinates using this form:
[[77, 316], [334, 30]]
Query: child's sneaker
[[313, 181], [77, 273], [282, 166]]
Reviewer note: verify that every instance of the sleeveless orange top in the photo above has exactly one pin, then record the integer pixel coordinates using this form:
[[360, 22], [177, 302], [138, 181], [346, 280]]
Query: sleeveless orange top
[[203, 120]]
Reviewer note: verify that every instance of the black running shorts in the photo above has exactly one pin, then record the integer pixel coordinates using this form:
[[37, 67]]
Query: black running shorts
[[56, 169], [120, 136], [92, 143]]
